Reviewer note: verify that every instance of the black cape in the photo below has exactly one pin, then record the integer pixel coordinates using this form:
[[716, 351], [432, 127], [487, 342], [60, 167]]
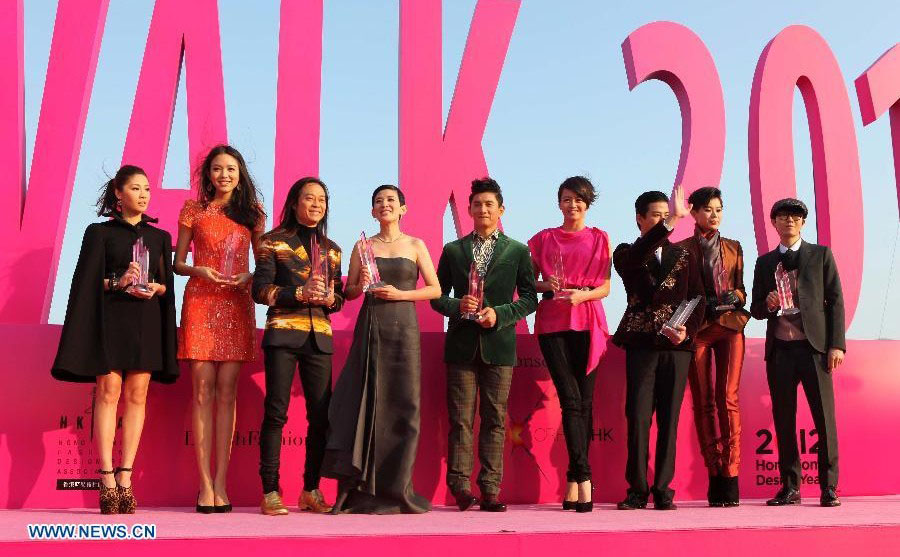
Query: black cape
[[97, 322]]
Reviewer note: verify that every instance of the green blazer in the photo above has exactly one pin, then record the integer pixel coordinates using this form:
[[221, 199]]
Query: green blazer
[[508, 271]]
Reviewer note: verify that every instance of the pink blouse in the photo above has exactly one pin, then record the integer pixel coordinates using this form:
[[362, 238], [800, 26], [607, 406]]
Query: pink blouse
[[586, 258]]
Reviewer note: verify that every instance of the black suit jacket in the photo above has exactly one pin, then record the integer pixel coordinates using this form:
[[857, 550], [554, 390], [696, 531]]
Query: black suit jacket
[[654, 290], [821, 300]]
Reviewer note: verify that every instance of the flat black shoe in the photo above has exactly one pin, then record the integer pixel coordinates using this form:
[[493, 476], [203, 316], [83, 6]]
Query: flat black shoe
[[204, 509], [786, 496], [631, 502], [492, 506], [829, 498], [730, 492]]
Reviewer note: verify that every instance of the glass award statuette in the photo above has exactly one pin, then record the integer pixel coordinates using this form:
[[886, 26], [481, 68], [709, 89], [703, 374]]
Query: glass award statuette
[[141, 255], [785, 281], [476, 290], [722, 285], [318, 261], [679, 317], [367, 258], [559, 272], [228, 253]]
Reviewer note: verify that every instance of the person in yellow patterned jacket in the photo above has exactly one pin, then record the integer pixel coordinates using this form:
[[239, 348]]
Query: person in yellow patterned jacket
[[300, 293]]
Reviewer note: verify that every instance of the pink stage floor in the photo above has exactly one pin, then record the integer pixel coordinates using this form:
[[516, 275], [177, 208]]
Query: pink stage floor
[[863, 525]]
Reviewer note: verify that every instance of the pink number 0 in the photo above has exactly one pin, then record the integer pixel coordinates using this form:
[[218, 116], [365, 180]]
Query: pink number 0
[[798, 56]]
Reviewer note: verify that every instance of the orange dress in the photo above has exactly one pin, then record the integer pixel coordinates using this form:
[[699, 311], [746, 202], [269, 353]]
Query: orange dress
[[217, 322]]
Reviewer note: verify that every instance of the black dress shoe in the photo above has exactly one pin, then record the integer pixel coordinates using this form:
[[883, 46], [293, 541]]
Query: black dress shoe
[[829, 497], [715, 492], [786, 496], [569, 505], [226, 508], [492, 505], [465, 499], [664, 505], [731, 496], [631, 502]]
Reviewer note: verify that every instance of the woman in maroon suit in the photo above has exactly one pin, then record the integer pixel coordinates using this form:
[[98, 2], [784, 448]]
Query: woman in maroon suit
[[721, 336]]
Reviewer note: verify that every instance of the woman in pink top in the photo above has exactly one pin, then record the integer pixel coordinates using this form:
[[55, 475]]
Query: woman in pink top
[[573, 263]]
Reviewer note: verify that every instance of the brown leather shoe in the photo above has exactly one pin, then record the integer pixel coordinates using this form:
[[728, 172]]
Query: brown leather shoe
[[271, 504], [313, 501]]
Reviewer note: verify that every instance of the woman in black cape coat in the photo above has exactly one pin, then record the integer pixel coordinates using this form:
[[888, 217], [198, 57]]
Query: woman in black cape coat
[[116, 335]]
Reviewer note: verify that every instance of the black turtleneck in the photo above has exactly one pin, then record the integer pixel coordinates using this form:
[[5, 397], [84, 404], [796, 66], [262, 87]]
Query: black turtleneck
[[305, 233]]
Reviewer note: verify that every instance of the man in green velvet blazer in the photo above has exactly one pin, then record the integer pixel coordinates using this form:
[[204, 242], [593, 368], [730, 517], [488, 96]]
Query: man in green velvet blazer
[[480, 353]]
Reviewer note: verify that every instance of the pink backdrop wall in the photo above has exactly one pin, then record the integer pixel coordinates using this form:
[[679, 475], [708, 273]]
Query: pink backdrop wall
[[45, 428]]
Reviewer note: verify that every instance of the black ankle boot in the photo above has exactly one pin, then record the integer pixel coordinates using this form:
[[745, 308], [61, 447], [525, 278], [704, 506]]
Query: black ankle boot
[[731, 494], [715, 493]]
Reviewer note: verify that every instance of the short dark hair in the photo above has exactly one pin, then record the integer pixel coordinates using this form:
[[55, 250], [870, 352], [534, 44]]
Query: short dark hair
[[701, 197], [400, 196], [486, 185], [580, 186], [642, 203]]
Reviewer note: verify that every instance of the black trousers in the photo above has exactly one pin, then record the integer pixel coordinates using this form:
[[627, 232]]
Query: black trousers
[[566, 355], [793, 363], [315, 377], [654, 381]]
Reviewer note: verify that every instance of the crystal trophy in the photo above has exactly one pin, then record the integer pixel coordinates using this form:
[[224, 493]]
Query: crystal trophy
[[228, 255], [476, 290], [318, 261], [785, 281], [367, 258], [679, 317], [141, 255], [559, 272], [721, 284]]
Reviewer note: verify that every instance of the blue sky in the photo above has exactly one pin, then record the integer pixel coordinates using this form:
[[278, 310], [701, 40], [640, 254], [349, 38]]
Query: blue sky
[[562, 108]]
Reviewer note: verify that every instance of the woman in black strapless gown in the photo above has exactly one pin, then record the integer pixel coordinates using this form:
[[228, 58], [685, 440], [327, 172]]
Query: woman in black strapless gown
[[374, 411]]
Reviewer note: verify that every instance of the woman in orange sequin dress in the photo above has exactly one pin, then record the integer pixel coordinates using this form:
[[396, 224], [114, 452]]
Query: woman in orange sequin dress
[[218, 326]]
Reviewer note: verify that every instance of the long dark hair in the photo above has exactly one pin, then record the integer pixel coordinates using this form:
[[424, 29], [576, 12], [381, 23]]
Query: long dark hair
[[244, 207], [288, 223], [108, 203]]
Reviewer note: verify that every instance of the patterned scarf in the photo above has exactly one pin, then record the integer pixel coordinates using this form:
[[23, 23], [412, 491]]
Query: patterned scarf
[[483, 250], [711, 254]]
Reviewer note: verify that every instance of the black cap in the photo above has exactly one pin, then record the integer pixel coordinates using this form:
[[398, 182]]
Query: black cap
[[789, 205]]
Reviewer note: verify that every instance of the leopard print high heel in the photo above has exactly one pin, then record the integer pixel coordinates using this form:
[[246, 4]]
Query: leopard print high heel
[[127, 502], [109, 496]]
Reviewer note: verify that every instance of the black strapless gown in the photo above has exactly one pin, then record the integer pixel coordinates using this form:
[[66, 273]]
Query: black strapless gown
[[374, 413]]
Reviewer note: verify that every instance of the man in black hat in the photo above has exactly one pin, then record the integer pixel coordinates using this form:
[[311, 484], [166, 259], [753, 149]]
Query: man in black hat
[[802, 347]]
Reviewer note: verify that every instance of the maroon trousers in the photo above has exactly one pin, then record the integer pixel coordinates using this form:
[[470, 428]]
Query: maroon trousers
[[715, 395]]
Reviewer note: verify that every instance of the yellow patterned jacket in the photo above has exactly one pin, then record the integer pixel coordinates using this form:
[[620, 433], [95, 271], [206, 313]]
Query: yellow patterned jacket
[[283, 265]]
